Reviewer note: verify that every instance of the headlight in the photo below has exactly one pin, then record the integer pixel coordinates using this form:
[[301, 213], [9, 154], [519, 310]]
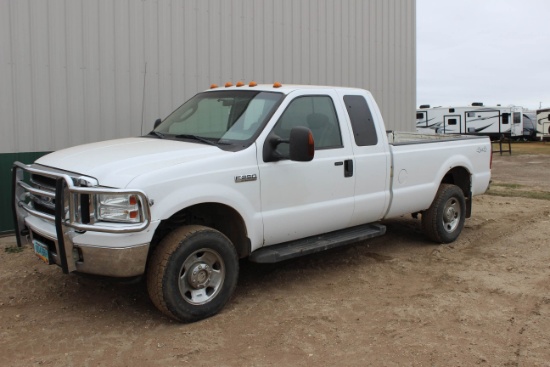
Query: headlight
[[123, 208]]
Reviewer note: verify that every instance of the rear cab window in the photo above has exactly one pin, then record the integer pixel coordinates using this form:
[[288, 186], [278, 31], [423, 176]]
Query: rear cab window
[[362, 123]]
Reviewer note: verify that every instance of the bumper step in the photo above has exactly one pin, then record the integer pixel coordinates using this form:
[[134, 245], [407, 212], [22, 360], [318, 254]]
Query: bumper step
[[311, 245]]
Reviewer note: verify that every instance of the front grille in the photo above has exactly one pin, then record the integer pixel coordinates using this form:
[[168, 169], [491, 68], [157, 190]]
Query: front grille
[[43, 204], [43, 181], [35, 195]]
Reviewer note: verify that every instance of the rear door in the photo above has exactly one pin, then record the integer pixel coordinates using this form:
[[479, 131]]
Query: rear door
[[301, 199], [452, 124], [517, 121], [372, 158]]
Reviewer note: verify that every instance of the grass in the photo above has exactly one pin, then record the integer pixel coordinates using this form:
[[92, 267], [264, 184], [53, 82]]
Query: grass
[[518, 191], [13, 249], [531, 147]]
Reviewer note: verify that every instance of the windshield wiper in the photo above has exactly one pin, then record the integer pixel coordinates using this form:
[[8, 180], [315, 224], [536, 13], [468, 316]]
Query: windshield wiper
[[195, 137], [157, 134]]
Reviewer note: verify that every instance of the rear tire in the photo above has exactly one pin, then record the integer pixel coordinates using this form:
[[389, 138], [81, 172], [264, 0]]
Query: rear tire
[[443, 221], [192, 273]]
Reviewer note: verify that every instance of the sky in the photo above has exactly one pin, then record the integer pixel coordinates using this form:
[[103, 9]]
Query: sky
[[490, 51]]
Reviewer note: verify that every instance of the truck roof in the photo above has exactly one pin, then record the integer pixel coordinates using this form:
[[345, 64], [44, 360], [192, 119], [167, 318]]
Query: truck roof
[[283, 88]]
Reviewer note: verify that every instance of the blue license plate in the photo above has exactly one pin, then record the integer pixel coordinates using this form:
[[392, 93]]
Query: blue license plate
[[41, 250]]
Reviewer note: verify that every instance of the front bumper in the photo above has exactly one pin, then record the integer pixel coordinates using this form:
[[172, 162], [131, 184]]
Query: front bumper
[[111, 249]]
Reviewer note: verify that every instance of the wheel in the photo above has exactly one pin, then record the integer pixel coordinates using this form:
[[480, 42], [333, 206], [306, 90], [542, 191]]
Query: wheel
[[192, 273], [443, 221]]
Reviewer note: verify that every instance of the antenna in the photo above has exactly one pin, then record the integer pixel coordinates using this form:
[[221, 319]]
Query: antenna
[[143, 98]]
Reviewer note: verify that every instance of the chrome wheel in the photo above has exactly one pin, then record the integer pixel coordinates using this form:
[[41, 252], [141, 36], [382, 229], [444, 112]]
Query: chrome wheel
[[201, 276], [451, 215]]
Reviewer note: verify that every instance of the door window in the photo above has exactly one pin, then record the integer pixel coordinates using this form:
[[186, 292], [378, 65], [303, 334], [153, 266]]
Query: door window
[[316, 113]]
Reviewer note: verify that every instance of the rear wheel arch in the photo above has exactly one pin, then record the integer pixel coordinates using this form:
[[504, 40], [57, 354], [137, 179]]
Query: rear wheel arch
[[461, 177]]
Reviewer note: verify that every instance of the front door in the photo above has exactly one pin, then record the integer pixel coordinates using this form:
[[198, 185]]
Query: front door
[[517, 121], [451, 124], [301, 199]]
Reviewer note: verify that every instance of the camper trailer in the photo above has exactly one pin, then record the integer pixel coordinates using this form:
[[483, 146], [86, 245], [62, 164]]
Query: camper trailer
[[543, 124], [475, 119]]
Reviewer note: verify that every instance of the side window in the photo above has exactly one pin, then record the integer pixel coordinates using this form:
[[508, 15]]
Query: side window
[[361, 120], [505, 118], [517, 117], [316, 113], [451, 122]]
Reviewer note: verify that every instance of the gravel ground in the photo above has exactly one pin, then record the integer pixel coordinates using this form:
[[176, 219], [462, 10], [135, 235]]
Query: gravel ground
[[397, 300]]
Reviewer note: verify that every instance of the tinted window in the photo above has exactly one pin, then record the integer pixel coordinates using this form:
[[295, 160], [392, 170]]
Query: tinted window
[[517, 117], [505, 118], [362, 123], [451, 122], [419, 115], [315, 112]]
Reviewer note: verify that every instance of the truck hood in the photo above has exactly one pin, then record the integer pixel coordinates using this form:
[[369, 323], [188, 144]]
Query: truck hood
[[115, 163]]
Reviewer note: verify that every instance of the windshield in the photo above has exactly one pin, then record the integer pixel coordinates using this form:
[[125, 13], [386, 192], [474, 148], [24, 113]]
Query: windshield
[[221, 116]]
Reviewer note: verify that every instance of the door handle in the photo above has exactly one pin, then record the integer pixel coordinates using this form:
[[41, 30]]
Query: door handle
[[348, 168]]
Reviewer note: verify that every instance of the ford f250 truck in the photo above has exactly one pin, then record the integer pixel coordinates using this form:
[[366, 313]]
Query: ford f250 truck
[[264, 172]]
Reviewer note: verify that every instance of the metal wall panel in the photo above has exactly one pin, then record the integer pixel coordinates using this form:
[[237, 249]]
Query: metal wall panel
[[78, 71], [74, 71]]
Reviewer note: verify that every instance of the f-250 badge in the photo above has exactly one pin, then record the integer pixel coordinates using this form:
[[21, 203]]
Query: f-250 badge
[[245, 178]]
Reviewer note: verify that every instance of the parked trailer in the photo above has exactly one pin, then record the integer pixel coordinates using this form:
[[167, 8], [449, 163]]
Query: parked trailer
[[543, 124], [475, 119]]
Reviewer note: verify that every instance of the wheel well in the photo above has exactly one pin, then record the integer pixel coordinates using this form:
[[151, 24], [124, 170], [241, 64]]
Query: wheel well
[[461, 177], [214, 215]]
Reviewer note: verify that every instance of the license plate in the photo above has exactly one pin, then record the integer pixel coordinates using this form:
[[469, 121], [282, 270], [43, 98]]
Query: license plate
[[41, 250]]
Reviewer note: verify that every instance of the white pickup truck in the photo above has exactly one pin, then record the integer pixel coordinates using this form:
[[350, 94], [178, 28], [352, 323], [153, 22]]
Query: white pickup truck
[[264, 172]]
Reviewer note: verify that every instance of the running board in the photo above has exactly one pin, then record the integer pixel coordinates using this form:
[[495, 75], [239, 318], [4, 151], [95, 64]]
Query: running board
[[311, 245]]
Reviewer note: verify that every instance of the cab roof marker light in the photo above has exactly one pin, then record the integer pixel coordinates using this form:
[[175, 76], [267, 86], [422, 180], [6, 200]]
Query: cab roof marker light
[[253, 84], [277, 85], [213, 86], [240, 84], [228, 84]]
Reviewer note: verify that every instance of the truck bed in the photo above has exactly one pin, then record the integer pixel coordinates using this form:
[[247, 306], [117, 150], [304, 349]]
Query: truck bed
[[403, 138]]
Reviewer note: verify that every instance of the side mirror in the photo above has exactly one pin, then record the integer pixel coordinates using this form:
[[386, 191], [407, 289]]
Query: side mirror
[[302, 145], [157, 123]]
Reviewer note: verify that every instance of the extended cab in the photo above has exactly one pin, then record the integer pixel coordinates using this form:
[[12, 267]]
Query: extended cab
[[256, 171]]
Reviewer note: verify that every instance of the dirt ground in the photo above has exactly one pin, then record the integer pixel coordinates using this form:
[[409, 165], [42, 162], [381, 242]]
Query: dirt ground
[[397, 300]]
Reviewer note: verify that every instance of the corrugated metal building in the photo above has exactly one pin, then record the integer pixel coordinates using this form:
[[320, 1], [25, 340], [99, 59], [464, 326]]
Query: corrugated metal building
[[79, 71]]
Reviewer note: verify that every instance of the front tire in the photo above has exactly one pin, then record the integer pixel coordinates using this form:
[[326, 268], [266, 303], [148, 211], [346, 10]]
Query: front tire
[[443, 221], [192, 273]]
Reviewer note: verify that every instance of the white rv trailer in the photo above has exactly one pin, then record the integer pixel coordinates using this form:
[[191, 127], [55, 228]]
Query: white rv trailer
[[475, 119], [543, 124]]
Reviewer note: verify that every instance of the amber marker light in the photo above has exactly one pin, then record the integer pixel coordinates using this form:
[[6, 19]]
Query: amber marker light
[[253, 84], [277, 85], [213, 86], [240, 84], [228, 84]]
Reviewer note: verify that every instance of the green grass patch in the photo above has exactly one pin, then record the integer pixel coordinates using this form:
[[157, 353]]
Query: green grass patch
[[515, 190], [521, 194], [530, 147], [508, 186], [13, 249]]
